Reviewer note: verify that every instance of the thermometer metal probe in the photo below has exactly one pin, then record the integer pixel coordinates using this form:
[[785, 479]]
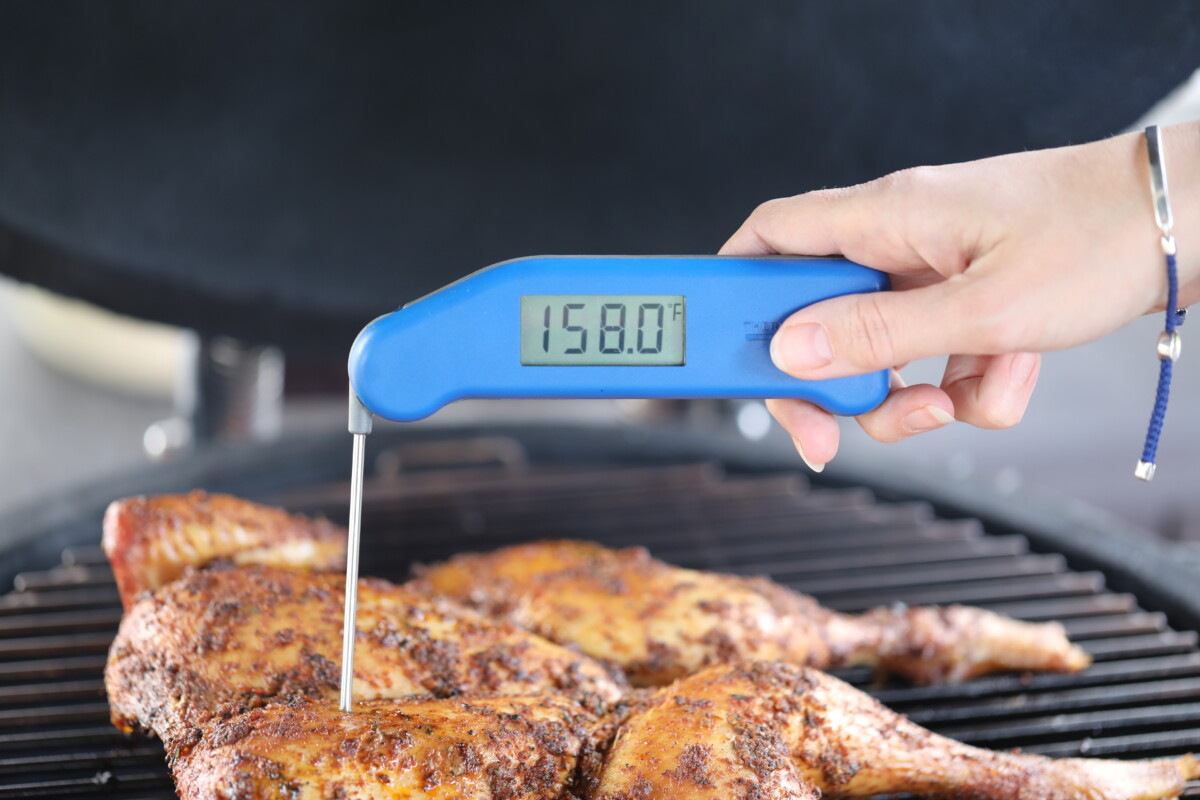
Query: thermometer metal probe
[[590, 327]]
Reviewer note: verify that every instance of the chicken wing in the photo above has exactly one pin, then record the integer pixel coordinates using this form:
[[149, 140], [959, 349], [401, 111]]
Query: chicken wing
[[222, 640], [150, 541], [659, 622], [774, 731], [509, 748]]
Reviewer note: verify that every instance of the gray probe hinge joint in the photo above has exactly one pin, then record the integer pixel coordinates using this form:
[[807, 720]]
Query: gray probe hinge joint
[[360, 415]]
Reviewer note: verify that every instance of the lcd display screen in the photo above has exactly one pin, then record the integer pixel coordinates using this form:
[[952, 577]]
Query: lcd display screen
[[603, 330]]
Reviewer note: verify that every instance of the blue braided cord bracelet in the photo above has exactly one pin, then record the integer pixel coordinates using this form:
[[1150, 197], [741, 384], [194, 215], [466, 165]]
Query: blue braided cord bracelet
[[1169, 343]]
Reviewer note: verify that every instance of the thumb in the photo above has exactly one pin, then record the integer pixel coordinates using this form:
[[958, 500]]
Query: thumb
[[860, 333]]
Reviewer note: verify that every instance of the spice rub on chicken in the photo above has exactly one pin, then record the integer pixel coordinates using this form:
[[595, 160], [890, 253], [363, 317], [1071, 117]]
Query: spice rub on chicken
[[659, 622], [775, 731], [150, 541], [498, 748], [232, 638]]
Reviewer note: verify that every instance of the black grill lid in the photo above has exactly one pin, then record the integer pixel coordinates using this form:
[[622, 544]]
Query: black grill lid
[[1140, 699], [286, 172]]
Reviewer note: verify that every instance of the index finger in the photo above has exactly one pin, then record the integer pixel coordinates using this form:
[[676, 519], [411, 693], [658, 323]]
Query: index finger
[[799, 225], [868, 223]]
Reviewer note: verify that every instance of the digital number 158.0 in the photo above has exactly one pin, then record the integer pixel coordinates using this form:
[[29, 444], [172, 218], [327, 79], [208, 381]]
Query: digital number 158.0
[[612, 328]]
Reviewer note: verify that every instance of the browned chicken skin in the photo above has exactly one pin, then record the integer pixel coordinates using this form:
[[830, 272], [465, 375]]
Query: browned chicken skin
[[223, 640], [659, 622], [150, 541], [507, 748], [773, 731]]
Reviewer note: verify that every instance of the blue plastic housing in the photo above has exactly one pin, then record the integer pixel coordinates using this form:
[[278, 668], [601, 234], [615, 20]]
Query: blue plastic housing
[[463, 341]]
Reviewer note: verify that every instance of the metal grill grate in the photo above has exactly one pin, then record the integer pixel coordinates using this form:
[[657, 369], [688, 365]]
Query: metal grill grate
[[1140, 699]]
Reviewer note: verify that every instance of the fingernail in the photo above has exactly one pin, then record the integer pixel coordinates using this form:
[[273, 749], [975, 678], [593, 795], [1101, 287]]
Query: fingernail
[[811, 465], [1020, 369], [799, 348], [925, 418]]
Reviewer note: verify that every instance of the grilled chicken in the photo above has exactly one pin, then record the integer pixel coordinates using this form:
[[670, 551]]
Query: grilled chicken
[[235, 668], [230, 638], [509, 748], [775, 731], [150, 541], [660, 623]]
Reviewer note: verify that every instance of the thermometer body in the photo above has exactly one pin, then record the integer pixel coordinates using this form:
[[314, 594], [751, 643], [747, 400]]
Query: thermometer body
[[605, 326]]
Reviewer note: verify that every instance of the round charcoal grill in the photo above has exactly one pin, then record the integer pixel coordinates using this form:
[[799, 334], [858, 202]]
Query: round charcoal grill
[[703, 502]]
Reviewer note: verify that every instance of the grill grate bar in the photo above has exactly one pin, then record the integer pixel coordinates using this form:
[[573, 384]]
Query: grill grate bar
[[51, 668], [67, 621], [1067, 607], [1033, 704], [1089, 723], [913, 554], [84, 556], [1024, 587], [74, 713], [50, 692], [22, 602], [101, 783], [1113, 625], [729, 548], [98, 735], [91, 760], [1103, 674], [59, 645], [927, 576], [1144, 745], [58, 577], [1148, 645]]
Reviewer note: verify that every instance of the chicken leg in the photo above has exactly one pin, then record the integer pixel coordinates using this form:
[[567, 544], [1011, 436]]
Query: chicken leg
[[772, 731], [659, 622]]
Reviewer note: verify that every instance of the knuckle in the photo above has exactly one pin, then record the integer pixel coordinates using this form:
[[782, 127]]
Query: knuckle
[[886, 434], [766, 216], [905, 181], [768, 210], [871, 334], [882, 426]]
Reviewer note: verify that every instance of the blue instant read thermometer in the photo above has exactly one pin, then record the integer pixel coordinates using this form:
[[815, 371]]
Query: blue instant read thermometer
[[592, 326]]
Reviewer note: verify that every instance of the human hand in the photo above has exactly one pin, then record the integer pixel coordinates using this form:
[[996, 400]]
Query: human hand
[[992, 263]]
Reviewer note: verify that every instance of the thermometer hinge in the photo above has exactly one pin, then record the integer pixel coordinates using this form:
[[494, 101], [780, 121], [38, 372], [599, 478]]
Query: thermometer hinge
[[360, 415]]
